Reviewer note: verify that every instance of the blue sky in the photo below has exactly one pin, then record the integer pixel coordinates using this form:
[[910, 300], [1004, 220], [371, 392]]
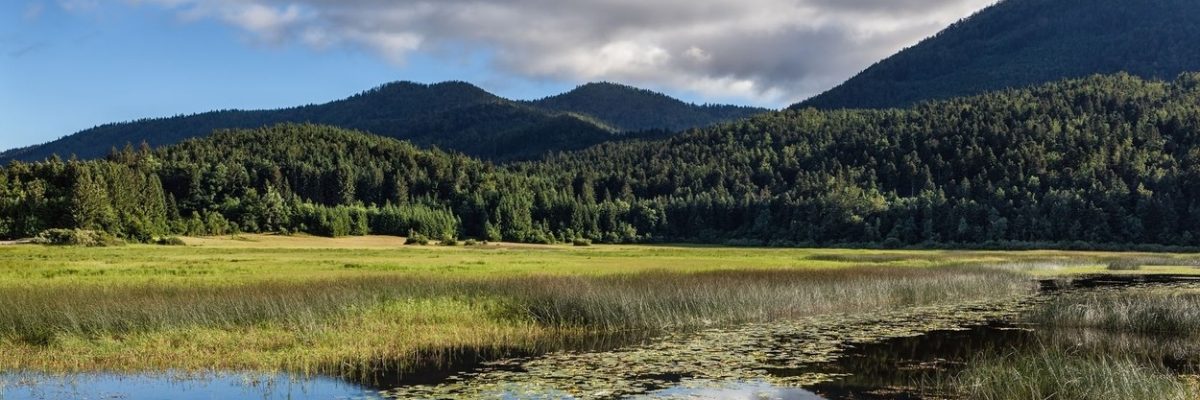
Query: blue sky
[[67, 65], [61, 71]]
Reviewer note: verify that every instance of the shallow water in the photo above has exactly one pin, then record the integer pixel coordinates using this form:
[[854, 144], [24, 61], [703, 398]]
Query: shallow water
[[849, 357], [177, 387]]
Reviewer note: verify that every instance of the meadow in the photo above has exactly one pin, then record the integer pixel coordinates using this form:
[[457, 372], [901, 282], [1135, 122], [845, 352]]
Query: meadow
[[354, 306]]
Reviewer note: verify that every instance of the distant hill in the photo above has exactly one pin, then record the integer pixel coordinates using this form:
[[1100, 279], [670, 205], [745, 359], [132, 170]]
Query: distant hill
[[451, 115], [1018, 43], [632, 109]]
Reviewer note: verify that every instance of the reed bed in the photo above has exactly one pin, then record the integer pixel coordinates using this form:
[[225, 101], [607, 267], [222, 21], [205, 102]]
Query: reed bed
[[354, 325], [1054, 373], [669, 300], [1139, 311]]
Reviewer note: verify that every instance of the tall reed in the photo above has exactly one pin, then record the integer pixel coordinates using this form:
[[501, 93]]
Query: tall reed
[[1140, 311], [1054, 373]]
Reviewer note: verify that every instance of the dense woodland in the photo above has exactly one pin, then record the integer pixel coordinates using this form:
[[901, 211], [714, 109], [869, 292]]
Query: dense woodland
[[454, 116], [1018, 43], [1103, 160]]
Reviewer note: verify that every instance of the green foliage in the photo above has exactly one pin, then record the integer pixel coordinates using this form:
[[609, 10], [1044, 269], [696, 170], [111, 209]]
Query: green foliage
[[1103, 160], [1018, 43], [633, 109], [1107, 161], [416, 239], [170, 241], [581, 242], [76, 237]]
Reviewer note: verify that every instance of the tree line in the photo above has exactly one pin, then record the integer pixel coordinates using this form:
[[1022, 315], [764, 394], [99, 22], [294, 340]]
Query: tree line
[[1107, 160]]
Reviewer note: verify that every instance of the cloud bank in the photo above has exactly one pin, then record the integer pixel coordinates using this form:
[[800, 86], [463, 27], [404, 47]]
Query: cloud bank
[[763, 51]]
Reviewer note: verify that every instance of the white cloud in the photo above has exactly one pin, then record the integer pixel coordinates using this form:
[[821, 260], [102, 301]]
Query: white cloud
[[763, 51]]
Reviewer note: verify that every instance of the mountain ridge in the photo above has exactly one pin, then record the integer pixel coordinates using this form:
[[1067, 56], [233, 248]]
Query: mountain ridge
[[1021, 43], [427, 114]]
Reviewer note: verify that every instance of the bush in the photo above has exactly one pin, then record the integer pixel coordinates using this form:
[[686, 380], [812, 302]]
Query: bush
[[416, 239], [449, 242], [471, 242], [581, 242], [76, 237], [170, 241]]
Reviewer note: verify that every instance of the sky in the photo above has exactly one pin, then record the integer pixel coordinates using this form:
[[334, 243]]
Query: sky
[[68, 65]]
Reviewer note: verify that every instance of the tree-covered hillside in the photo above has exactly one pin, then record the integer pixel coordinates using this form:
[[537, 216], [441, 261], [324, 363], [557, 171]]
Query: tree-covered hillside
[[450, 115], [1111, 159], [1017, 43], [632, 109], [1102, 160]]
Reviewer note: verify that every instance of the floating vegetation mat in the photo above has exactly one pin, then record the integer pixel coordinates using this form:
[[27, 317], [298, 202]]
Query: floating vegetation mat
[[776, 354]]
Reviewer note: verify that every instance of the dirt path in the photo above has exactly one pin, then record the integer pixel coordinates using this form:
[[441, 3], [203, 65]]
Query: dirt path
[[12, 242]]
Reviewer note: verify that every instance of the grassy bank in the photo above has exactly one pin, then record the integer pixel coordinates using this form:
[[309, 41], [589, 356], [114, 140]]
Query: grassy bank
[[1054, 373], [1172, 312], [1103, 343], [346, 306]]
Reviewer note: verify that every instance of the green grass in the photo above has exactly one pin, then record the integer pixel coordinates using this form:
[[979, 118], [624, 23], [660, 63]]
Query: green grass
[[345, 306], [1174, 312], [1059, 374]]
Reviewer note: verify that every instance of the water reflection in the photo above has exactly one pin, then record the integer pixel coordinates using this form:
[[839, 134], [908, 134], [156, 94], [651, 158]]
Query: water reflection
[[741, 391], [177, 387]]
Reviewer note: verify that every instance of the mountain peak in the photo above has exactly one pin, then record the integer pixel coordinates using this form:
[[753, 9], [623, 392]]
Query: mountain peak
[[1019, 43], [453, 115], [634, 109]]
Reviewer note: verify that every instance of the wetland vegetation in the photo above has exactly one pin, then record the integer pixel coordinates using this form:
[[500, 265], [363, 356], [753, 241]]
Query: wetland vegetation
[[374, 311]]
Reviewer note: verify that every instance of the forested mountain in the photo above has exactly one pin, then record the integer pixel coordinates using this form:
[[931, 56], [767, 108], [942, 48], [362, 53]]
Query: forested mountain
[[632, 109], [450, 115], [1103, 160], [1017, 43]]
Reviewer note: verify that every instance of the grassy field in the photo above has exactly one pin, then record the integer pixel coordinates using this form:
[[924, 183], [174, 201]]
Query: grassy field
[[347, 306]]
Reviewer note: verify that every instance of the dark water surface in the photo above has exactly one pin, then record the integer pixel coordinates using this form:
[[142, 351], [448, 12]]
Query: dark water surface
[[879, 369]]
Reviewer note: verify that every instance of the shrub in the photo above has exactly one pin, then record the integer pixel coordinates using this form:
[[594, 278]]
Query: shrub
[[417, 239], [170, 241], [471, 242], [449, 242], [581, 242], [76, 237]]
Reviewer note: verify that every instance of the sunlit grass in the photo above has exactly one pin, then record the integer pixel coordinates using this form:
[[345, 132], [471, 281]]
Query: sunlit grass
[[346, 306], [1054, 373], [1174, 312]]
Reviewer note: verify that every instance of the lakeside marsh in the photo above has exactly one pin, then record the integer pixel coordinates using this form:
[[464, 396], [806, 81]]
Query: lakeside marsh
[[1129, 343], [354, 307]]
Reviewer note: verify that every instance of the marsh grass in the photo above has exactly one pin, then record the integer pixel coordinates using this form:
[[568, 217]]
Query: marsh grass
[[659, 300], [1156, 260], [1140, 311], [356, 325], [1125, 265], [1055, 373]]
